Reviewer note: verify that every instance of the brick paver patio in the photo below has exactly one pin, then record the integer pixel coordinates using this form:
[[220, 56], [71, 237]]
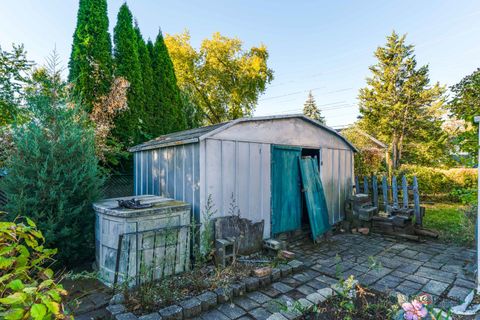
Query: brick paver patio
[[401, 266]]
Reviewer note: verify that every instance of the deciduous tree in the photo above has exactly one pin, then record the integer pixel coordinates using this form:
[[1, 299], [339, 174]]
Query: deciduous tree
[[223, 79]]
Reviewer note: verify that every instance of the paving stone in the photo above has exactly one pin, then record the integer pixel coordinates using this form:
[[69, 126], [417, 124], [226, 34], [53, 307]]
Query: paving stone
[[191, 308], [251, 284], [465, 283], [295, 294], [260, 313], [273, 306], [282, 287], [224, 294], [306, 289], [458, 293], [291, 282], [408, 291], [433, 265], [315, 284], [315, 298], [435, 287], [301, 277], [258, 297], [208, 300], [277, 316], [305, 303], [116, 309], [151, 316], [435, 274], [126, 316], [408, 268], [271, 292], [232, 311], [214, 315], [296, 265], [291, 314], [417, 279], [399, 274], [246, 303], [286, 270], [326, 292], [411, 284], [173, 312], [446, 304]]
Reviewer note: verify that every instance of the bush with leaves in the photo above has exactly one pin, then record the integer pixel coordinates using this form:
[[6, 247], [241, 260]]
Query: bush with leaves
[[53, 177], [28, 289]]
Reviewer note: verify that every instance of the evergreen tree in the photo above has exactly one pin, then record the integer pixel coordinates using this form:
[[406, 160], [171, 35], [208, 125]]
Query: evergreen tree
[[400, 106], [53, 177], [168, 103], [129, 126], [147, 78], [90, 62], [311, 110]]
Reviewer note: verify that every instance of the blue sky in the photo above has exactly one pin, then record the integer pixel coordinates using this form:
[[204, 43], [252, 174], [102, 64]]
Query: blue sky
[[314, 45]]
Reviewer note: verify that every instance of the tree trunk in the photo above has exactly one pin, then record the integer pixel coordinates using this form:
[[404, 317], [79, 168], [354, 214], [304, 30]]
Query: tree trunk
[[395, 152]]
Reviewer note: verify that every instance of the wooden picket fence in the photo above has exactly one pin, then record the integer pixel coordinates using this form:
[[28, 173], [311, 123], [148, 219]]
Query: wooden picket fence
[[371, 187]]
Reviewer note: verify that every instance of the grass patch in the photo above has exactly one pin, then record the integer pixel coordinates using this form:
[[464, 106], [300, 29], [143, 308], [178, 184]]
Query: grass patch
[[454, 222]]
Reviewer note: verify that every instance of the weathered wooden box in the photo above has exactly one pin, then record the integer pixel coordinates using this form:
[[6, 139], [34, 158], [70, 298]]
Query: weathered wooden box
[[154, 241]]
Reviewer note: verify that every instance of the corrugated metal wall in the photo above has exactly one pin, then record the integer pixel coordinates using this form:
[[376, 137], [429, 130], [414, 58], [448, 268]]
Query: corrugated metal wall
[[336, 174], [172, 172], [237, 173]]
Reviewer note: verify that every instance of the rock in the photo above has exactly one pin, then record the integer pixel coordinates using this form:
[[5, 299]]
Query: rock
[[118, 298], [249, 235], [116, 309], [126, 316]]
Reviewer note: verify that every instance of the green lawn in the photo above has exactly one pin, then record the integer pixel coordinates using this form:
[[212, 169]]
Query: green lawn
[[451, 222]]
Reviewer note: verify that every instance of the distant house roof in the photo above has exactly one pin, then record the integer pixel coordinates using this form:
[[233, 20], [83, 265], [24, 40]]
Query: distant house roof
[[377, 142], [197, 134]]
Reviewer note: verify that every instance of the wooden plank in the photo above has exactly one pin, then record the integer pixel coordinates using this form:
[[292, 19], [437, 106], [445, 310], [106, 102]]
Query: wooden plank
[[416, 201], [395, 191], [375, 191], [405, 191], [366, 189], [385, 192], [357, 185]]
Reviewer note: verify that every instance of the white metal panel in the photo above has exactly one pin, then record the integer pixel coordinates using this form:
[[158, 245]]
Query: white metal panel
[[237, 175]]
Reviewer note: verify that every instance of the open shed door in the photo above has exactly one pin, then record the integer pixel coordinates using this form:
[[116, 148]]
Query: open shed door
[[286, 194], [314, 196]]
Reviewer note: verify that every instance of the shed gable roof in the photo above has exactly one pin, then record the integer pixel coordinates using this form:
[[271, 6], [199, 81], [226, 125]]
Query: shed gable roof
[[195, 135]]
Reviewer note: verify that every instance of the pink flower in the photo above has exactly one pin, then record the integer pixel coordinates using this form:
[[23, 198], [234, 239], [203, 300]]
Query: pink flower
[[414, 310]]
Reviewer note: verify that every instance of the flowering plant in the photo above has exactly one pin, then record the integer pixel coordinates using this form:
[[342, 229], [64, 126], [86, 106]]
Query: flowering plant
[[419, 307]]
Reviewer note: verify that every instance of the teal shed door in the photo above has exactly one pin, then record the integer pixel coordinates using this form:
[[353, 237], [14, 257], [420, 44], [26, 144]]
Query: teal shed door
[[286, 189], [314, 197]]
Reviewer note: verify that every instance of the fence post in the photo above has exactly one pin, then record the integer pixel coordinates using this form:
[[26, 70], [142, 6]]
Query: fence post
[[405, 191], [395, 191], [375, 190], [416, 201], [365, 185], [357, 185], [385, 192]]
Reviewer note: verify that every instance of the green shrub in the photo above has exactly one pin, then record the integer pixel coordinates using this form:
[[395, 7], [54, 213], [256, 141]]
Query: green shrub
[[28, 289], [53, 178], [436, 181]]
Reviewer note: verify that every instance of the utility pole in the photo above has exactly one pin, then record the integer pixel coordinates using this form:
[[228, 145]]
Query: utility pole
[[477, 121]]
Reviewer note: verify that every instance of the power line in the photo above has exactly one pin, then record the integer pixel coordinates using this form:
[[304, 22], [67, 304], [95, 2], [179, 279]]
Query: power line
[[305, 91]]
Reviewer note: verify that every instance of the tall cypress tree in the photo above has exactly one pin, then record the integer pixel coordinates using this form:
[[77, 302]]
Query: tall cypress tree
[[168, 104], [130, 125], [90, 65], [147, 78]]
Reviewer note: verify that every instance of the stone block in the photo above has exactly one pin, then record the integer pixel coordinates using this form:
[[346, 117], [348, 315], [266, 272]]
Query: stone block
[[273, 244], [224, 294], [258, 297], [282, 287], [305, 303], [172, 312], [458, 293], [208, 300], [435, 287], [264, 281], [276, 274], [118, 298], [296, 265], [126, 316], [238, 289], [277, 316], [287, 254], [232, 311], [262, 272], [326, 292], [251, 284], [260, 314], [286, 270], [116, 309], [151, 316], [191, 308], [315, 298], [245, 303]]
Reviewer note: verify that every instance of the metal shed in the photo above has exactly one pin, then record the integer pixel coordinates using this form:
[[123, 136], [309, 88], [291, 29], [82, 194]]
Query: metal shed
[[251, 162]]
